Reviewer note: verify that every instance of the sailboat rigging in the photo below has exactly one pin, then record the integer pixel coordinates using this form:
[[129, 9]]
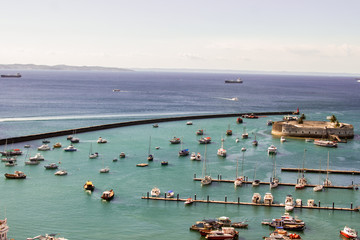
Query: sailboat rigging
[[150, 156], [207, 179]]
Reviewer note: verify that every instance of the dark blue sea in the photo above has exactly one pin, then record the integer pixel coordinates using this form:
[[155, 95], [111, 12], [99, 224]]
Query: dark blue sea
[[43, 101]]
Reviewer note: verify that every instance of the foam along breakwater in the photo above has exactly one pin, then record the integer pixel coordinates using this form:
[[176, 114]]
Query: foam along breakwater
[[312, 129], [129, 123]]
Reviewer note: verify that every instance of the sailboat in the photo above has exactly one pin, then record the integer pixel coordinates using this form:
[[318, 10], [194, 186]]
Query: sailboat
[[239, 180], [327, 181], [319, 187], [256, 182], [104, 169], [301, 182], [221, 151], [150, 156], [183, 152], [91, 154], [207, 179], [274, 180], [255, 142], [245, 135]]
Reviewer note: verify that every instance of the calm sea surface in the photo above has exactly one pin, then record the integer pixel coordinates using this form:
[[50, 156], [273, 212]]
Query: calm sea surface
[[44, 101]]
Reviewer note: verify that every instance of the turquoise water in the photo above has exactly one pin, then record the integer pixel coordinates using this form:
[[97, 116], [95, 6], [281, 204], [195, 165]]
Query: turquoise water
[[44, 203]]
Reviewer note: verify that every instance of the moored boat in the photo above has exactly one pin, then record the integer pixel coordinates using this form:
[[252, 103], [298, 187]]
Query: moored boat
[[108, 195], [89, 186], [142, 165], [175, 140], [164, 163], [221, 151], [70, 148], [75, 140], [4, 228], [205, 140], [348, 232], [288, 222], [61, 173], [155, 192], [289, 203], [10, 164], [105, 170], [101, 140], [44, 147], [225, 233], [170, 194], [200, 132], [122, 155], [38, 157], [47, 237], [188, 201], [32, 162], [239, 120], [325, 143], [16, 175], [12, 152], [256, 198], [51, 166], [57, 145], [272, 149], [282, 139], [189, 123], [184, 152], [268, 198]]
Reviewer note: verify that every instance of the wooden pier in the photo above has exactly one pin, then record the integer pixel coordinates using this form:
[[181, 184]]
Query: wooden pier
[[281, 184], [309, 170], [238, 202]]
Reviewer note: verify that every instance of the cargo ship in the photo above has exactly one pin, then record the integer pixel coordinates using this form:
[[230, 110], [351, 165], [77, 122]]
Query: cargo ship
[[18, 75], [234, 81]]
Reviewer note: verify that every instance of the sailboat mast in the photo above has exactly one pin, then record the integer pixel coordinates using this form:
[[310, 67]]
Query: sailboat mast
[[204, 167], [149, 144], [242, 165], [327, 168], [303, 168], [237, 166]]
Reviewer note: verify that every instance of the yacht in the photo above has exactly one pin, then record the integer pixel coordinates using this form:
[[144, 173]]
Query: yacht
[[256, 198], [349, 232], [105, 170], [155, 192], [44, 147], [221, 151], [61, 173], [37, 157], [51, 166], [70, 148], [289, 203], [272, 149], [268, 198]]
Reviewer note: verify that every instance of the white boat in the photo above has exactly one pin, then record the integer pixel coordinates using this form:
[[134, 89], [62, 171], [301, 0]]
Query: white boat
[[205, 140], [47, 237], [243, 149], [239, 180], [193, 156], [206, 180], [189, 123], [268, 198], [237, 140], [32, 162], [175, 140], [44, 147], [349, 232], [104, 170], [272, 149], [221, 151], [8, 159], [188, 201], [155, 192], [245, 135], [10, 164], [196, 157], [37, 157], [93, 155], [51, 166], [61, 173], [282, 139], [289, 203], [255, 142], [170, 194], [70, 148], [4, 228], [325, 143], [150, 156], [75, 140], [256, 198], [101, 140]]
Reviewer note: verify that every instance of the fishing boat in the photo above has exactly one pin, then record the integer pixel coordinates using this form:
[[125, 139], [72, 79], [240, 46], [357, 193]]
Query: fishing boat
[[327, 181], [170, 194], [325, 143], [16, 175], [89, 186], [188, 201], [348, 232], [142, 165], [57, 145], [245, 135], [268, 198], [272, 149], [319, 187], [122, 155], [44, 147], [288, 222], [61, 173], [38, 157], [224, 233], [175, 140], [200, 132], [205, 140], [70, 148], [289, 203], [256, 198], [221, 151], [206, 180], [155, 192], [229, 131], [51, 166], [108, 195], [282, 139], [301, 181], [239, 120], [12, 152], [101, 140]]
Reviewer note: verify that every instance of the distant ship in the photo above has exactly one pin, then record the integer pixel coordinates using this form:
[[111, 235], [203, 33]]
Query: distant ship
[[18, 75], [234, 81]]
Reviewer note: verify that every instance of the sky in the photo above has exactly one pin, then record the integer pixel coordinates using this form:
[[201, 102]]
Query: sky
[[244, 35]]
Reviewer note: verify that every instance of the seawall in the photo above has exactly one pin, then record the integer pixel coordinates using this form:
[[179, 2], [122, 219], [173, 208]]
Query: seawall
[[126, 124]]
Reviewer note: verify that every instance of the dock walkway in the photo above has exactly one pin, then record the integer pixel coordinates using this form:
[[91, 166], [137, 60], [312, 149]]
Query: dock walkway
[[310, 170]]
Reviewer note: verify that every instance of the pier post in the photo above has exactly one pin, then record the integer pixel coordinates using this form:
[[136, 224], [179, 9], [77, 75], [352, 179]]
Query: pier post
[[319, 203], [177, 197], [208, 198], [194, 175], [333, 205], [238, 200], [147, 194], [226, 200], [220, 177], [195, 197], [351, 205]]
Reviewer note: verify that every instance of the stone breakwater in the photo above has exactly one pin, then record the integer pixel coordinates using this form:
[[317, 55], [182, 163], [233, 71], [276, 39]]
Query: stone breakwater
[[312, 129]]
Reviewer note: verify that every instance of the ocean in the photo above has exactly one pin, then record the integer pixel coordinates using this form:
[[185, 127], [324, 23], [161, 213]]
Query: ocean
[[43, 101]]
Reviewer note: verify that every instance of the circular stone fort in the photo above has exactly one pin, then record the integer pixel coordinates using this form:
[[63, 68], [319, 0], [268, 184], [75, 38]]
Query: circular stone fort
[[312, 129]]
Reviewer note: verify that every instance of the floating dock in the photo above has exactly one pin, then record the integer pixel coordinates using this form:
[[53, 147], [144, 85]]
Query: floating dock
[[281, 184], [177, 199], [310, 170]]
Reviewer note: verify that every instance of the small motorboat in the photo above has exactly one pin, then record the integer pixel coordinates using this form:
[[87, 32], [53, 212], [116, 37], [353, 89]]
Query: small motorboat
[[70, 148], [289, 203], [93, 155], [32, 162], [239, 120], [256, 183], [238, 181], [157, 148], [239, 225], [255, 143], [282, 139], [170, 194], [75, 140], [51, 166], [224, 233], [89, 186], [105, 170], [122, 155], [318, 188], [189, 123], [115, 160], [229, 132], [37, 157], [155, 192], [193, 156], [27, 146], [184, 152], [256, 198], [45, 141], [188, 201], [16, 175], [200, 132], [164, 163], [243, 149], [108, 195], [237, 140], [142, 165], [101, 140], [175, 140], [269, 122], [272, 149], [57, 145], [155, 125], [205, 140], [69, 137], [10, 164], [348, 232], [61, 173], [44, 147]]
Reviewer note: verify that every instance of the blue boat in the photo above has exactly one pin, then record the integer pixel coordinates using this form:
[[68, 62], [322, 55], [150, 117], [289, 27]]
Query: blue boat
[[184, 152]]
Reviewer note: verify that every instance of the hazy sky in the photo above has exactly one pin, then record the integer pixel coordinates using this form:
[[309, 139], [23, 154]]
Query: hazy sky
[[270, 35]]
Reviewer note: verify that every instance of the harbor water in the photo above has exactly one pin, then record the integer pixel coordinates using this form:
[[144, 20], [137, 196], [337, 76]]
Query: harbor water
[[43, 101]]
